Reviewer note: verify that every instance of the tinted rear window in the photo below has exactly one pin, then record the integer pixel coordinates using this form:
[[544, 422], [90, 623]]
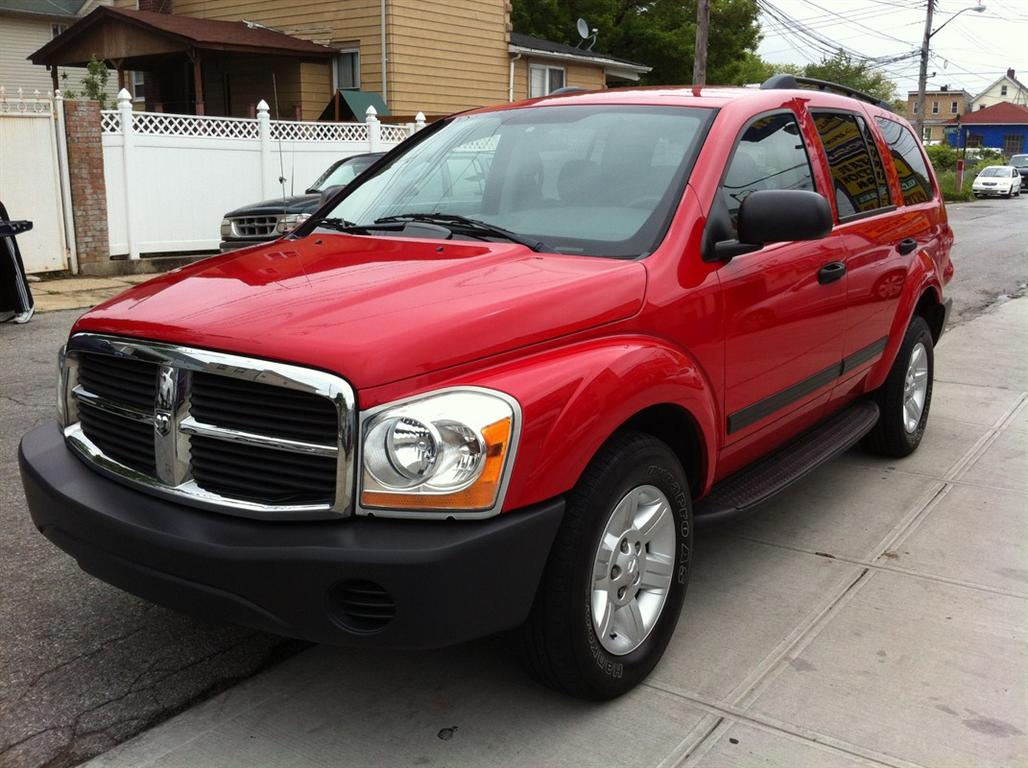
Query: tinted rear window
[[914, 178], [856, 166]]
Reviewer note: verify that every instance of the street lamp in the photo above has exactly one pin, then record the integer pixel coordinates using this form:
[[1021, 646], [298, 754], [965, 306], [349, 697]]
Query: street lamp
[[922, 76]]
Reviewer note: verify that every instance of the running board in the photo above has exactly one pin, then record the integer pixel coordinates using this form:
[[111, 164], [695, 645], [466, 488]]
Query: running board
[[750, 487]]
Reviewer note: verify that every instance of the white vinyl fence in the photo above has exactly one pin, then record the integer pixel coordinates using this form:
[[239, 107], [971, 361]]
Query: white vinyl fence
[[171, 178], [31, 177]]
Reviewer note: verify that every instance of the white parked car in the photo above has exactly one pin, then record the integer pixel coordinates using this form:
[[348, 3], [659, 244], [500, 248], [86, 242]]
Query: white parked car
[[997, 180]]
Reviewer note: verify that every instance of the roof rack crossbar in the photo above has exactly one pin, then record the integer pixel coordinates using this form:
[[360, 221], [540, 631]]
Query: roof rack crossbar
[[788, 82]]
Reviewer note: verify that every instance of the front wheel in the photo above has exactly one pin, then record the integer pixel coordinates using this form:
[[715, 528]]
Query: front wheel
[[906, 396], [613, 588]]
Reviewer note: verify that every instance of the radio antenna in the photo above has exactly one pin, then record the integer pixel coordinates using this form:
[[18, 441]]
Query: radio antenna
[[281, 162]]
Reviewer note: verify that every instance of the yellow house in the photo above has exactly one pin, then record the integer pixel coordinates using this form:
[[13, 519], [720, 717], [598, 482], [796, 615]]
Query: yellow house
[[221, 57]]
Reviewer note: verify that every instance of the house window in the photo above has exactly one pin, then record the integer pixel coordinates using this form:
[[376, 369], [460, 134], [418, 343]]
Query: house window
[[935, 107], [138, 87], [981, 106], [543, 80], [347, 71], [56, 29], [1002, 90], [953, 107], [916, 107], [974, 140], [1013, 143]]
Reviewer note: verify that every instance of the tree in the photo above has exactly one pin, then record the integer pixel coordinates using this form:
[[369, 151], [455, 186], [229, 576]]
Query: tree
[[658, 33], [845, 70], [94, 82]]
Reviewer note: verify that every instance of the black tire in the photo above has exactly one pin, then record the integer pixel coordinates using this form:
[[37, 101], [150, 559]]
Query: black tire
[[558, 642], [890, 436]]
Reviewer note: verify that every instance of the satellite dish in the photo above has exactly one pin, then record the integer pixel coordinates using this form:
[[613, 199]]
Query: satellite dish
[[583, 29]]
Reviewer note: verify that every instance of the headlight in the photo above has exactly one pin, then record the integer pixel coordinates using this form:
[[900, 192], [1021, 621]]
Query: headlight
[[290, 222], [226, 227], [449, 451]]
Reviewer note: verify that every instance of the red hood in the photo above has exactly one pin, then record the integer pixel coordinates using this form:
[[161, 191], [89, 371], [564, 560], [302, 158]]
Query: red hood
[[375, 310]]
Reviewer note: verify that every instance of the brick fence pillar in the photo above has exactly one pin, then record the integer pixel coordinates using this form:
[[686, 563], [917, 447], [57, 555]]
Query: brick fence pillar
[[88, 188]]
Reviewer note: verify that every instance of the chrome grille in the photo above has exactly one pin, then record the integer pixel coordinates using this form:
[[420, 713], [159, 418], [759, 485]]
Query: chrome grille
[[120, 379], [241, 435], [254, 226], [127, 441], [249, 407], [260, 474]]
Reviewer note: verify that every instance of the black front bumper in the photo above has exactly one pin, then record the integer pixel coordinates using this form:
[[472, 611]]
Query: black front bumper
[[448, 581]]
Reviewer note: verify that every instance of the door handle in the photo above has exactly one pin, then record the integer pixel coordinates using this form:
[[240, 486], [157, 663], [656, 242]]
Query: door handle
[[829, 273], [906, 245]]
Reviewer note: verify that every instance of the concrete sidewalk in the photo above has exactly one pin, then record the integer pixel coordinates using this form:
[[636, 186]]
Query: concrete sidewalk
[[876, 615], [81, 292]]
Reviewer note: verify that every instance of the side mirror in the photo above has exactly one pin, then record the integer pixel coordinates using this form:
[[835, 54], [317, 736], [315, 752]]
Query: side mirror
[[328, 193], [777, 216]]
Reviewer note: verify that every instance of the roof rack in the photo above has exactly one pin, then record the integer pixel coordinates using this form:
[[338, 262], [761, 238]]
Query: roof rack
[[788, 82], [568, 89]]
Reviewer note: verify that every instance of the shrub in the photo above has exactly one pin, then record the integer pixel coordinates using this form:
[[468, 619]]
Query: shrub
[[943, 157]]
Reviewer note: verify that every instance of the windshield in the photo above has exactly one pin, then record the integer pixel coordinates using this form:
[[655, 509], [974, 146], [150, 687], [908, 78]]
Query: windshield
[[1019, 161], [996, 170], [343, 173], [601, 181]]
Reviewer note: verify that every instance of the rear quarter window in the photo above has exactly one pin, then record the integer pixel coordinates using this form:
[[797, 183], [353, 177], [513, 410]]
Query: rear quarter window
[[857, 172], [914, 178]]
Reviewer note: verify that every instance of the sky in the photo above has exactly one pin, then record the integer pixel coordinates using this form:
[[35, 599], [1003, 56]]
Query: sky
[[970, 53]]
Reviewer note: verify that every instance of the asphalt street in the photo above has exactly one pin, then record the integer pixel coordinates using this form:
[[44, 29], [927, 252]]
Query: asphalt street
[[84, 666], [990, 253]]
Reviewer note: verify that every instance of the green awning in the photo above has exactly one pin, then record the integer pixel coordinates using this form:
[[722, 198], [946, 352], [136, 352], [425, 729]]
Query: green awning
[[353, 106]]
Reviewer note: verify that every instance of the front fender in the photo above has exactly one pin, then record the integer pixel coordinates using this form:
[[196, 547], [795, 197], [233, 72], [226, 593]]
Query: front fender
[[574, 398], [922, 276]]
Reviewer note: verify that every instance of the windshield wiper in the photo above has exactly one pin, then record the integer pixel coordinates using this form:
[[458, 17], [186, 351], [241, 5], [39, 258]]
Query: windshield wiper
[[341, 225], [452, 220]]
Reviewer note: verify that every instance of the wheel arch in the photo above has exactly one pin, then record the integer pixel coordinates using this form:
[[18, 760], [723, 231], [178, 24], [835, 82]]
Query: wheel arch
[[576, 398], [930, 307], [921, 296], [674, 425]]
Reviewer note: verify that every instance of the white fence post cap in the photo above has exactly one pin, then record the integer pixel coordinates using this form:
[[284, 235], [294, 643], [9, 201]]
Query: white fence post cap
[[124, 97], [371, 111], [262, 106], [420, 117]]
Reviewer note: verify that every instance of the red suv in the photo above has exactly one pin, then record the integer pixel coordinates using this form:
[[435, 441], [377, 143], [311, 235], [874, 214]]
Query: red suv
[[496, 383]]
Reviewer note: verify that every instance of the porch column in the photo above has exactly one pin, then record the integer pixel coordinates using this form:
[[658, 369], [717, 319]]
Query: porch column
[[197, 81]]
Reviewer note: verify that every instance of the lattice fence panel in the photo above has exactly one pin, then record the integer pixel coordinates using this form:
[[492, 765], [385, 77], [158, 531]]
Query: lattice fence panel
[[162, 124], [110, 121], [395, 133], [290, 130]]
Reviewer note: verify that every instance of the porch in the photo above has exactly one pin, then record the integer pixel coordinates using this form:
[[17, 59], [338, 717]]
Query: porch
[[198, 66]]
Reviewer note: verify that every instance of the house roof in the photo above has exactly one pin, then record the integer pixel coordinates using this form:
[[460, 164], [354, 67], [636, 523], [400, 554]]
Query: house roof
[[999, 80], [940, 92], [520, 43], [199, 33], [68, 8], [1003, 113]]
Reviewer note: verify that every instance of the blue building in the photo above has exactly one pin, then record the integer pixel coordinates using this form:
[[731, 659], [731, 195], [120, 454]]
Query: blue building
[[1002, 126]]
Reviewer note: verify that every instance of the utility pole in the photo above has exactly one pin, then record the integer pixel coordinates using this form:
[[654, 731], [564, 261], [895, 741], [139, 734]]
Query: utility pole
[[922, 75], [699, 67]]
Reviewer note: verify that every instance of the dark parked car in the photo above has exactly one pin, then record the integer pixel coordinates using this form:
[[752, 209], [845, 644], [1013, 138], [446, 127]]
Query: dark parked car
[[270, 219], [1020, 162]]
